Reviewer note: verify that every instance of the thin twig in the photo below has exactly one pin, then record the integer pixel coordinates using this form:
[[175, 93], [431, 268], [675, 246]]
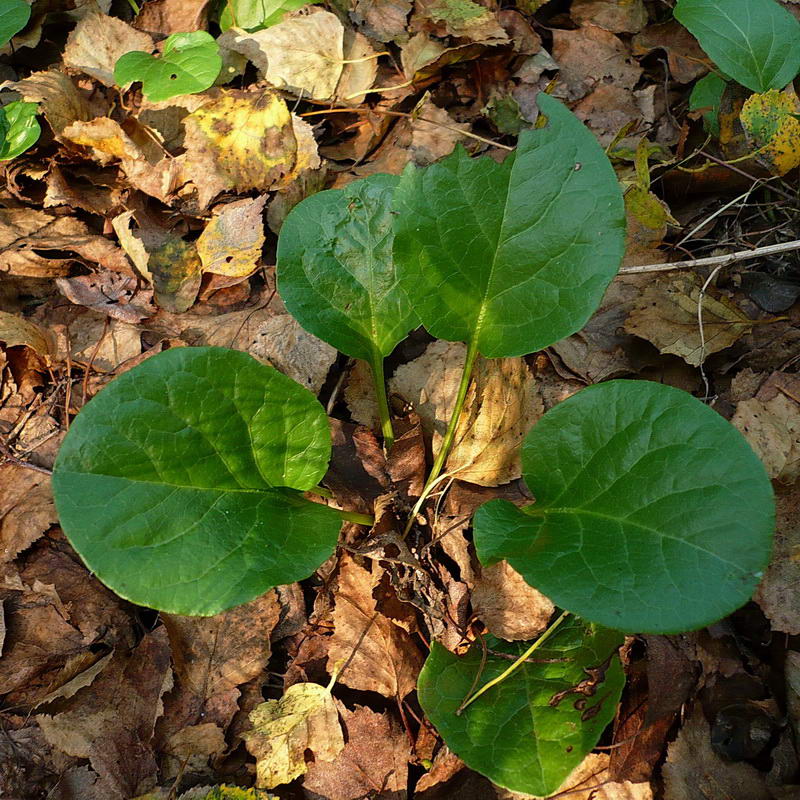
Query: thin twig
[[712, 261]]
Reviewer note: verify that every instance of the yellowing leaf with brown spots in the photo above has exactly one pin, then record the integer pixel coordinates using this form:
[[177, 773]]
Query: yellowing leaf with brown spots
[[237, 142], [771, 123], [231, 242], [305, 718]]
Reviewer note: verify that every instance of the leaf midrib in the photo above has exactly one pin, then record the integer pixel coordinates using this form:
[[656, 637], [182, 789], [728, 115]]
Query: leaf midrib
[[266, 490]]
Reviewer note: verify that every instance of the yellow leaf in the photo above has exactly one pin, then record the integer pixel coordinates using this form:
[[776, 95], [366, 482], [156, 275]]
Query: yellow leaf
[[770, 121], [305, 718], [231, 242]]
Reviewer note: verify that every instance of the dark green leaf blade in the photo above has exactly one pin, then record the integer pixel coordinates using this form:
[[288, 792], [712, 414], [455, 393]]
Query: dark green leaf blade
[[652, 512], [14, 16], [752, 41], [518, 734], [19, 128], [336, 274], [514, 255], [179, 484]]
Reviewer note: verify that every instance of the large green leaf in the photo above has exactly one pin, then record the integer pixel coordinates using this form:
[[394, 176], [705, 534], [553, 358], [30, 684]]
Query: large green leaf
[[652, 513], [254, 15], [14, 16], [755, 42], [179, 484], [335, 269], [19, 128], [521, 734], [189, 63], [513, 256]]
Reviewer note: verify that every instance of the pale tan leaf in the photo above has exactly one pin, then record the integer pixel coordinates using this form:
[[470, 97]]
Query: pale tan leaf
[[97, 41], [26, 509], [359, 74], [15, 330], [305, 718], [58, 97], [231, 242]]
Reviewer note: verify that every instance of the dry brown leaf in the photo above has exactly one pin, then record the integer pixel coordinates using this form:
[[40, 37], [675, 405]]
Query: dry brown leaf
[[508, 607], [589, 57], [90, 338], [304, 719], [375, 757], [109, 293], [500, 407], [383, 20], [231, 242], [26, 509], [617, 16], [59, 99], [359, 74], [666, 315], [17, 331], [463, 19], [75, 191], [282, 342], [24, 232], [384, 657], [205, 740], [778, 594], [693, 769], [97, 41], [112, 722], [359, 394], [164, 17], [106, 139], [770, 421], [686, 59]]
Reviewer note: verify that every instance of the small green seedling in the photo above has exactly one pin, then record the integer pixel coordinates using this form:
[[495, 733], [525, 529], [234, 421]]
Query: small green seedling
[[19, 128], [14, 16], [190, 63], [182, 483]]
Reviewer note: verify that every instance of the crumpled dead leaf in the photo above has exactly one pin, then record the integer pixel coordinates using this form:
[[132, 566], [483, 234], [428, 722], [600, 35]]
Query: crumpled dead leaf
[[463, 19], [500, 407], [685, 57], [26, 509], [617, 16], [666, 315], [231, 242], [305, 718], [771, 123], [97, 41], [16, 331], [116, 295]]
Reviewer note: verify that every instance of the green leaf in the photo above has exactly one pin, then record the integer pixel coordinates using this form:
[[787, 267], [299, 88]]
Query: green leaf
[[753, 41], [19, 128], [652, 513], [254, 15], [521, 734], [515, 255], [179, 484], [335, 269], [189, 63], [707, 93], [14, 16]]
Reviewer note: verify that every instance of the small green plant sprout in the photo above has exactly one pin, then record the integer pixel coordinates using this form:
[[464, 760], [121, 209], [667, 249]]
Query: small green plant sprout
[[14, 16], [189, 63], [19, 128], [182, 483]]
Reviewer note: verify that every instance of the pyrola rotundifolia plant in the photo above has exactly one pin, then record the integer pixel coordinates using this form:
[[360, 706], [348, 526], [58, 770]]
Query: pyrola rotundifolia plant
[[184, 484]]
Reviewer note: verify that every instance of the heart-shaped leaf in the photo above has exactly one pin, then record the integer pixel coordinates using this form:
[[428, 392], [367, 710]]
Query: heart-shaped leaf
[[253, 15], [19, 128], [512, 256], [335, 269], [752, 41], [652, 513], [189, 63], [530, 731], [179, 484], [14, 16]]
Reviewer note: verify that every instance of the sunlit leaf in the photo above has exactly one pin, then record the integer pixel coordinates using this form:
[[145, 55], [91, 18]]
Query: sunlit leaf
[[19, 128]]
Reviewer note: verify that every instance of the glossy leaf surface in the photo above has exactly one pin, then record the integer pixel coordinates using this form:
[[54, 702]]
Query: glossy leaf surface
[[179, 484], [14, 16], [19, 128], [514, 255], [254, 15], [752, 41], [189, 63], [652, 513], [335, 269], [521, 734]]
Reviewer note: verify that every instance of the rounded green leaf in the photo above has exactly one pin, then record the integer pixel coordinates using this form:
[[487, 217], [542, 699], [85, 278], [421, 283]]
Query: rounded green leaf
[[752, 41], [189, 63], [652, 513], [14, 16], [19, 128], [335, 269], [514, 256], [522, 734], [179, 484], [707, 94]]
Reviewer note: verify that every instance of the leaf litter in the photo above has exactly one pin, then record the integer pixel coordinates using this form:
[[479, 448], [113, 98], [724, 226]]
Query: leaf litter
[[136, 226]]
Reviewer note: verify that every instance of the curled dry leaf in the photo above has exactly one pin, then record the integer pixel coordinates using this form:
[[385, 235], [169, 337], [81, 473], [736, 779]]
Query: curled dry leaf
[[666, 314], [17, 331], [116, 295], [685, 57], [617, 16], [231, 242], [771, 123], [770, 421], [463, 19], [26, 509], [97, 41], [360, 69], [500, 407], [304, 719]]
